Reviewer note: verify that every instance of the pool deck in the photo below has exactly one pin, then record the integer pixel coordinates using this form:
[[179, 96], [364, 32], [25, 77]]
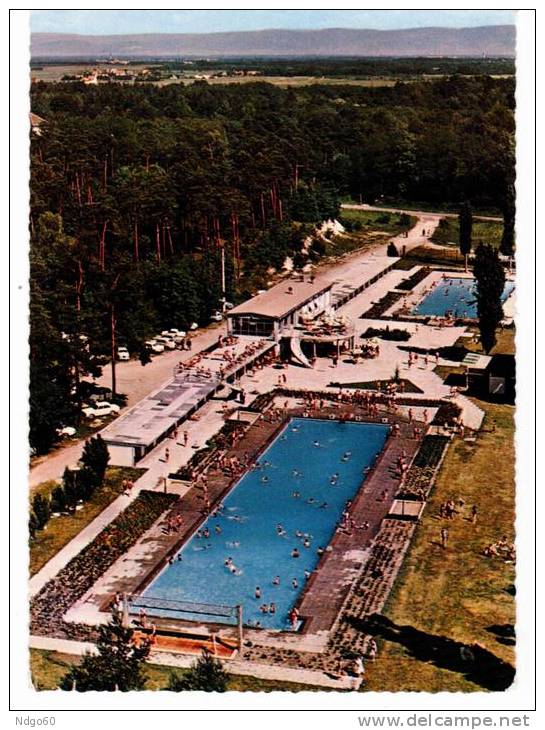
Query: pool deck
[[322, 600]]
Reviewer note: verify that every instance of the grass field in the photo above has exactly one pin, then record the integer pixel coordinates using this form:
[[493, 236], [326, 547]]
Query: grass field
[[60, 530], [446, 598], [448, 231], [505, 342], [47, 668], [376, 220]]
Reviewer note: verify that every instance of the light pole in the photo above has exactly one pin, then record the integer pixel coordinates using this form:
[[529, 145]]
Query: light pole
[[223, 298]]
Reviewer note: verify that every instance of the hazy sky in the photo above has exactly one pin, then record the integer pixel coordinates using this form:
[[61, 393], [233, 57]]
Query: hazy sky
[[201, 21]]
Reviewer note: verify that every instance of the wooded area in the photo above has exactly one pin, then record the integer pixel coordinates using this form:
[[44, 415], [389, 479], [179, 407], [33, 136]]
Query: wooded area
[[136, 189]]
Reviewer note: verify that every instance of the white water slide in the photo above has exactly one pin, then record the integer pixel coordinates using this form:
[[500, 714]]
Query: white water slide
[[297, 353]]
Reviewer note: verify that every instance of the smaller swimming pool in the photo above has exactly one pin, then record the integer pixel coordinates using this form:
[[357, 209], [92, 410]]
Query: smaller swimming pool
[[454, 296]]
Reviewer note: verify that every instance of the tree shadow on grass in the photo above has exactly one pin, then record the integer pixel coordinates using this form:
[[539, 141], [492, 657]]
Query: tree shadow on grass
[[484, 669]]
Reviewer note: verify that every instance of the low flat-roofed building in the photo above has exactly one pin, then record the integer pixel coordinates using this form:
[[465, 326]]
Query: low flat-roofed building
[[139, 429], [144, 425], [279, 308]]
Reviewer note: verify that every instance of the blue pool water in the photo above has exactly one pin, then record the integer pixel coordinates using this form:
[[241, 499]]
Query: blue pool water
[[262, 500], [455, 296]]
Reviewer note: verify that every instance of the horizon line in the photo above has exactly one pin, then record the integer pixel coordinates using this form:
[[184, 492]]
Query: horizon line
[[289, 30]]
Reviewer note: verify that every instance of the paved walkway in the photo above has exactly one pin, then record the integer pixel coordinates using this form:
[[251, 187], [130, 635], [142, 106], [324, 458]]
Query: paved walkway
[[234, 666]]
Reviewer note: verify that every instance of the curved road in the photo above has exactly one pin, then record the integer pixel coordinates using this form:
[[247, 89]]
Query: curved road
[[420, 213]]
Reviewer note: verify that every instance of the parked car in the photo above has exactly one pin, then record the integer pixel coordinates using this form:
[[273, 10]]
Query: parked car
[[216, 316], [155, 346], [193, 326], [167, 342], [176, 335], [100, 409], [123, 353], [66, 431]]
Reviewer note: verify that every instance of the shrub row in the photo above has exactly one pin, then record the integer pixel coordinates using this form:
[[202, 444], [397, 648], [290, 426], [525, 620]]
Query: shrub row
[[386, 333], [378, 308], [446, 413], [431, 450], [83, 571], [410, 283]]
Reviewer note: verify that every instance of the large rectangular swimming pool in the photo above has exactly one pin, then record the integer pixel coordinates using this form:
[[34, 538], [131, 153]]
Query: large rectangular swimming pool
[[293, 500], [455, 296]]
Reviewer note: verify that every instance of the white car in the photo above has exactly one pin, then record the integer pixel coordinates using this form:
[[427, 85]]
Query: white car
[[176, 335], [155, 346], [123, 353], [167, 342], [100, 409], [193, 326], [66, 431], [217, 316]]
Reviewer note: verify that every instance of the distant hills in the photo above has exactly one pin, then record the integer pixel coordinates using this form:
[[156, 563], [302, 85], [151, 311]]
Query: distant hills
[[493, 40]]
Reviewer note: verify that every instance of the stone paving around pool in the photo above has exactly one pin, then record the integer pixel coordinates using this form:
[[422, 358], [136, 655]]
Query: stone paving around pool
[[327, 588], [353, 580]]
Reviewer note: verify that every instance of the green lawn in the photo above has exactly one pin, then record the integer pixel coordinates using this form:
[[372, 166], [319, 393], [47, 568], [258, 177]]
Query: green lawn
[[60, 530], [505, 342], [372, 220], [47, 668], [428, 255], [457, 594], [447, 232]]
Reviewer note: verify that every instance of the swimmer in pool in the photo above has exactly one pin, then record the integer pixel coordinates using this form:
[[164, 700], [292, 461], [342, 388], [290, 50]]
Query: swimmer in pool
[[276, 580], [316, 443], [324, 505], [264, 480], [296, 495]]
